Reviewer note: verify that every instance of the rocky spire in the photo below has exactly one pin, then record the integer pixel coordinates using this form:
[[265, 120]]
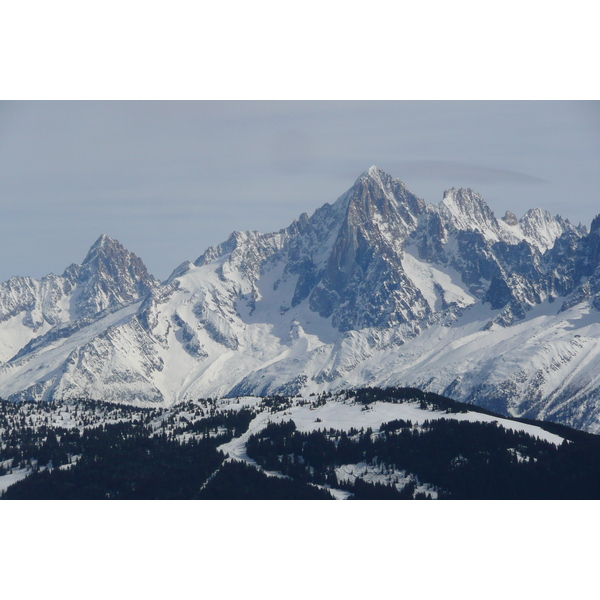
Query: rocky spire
[[109, 275]]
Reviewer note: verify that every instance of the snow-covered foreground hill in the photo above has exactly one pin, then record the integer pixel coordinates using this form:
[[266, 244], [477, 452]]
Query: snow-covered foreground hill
[[346, 414], [377, 289], [341, 443]]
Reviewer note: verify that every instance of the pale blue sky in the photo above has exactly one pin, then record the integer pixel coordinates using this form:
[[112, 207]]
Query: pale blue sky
[[168, 179]]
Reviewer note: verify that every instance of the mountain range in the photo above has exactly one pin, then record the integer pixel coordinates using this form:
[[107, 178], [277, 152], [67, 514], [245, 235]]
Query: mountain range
[[376, 289]]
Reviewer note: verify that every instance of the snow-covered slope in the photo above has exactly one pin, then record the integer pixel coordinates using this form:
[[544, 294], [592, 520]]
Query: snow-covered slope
[[466, 210], [375, 289], [109, 278], [373, 412]]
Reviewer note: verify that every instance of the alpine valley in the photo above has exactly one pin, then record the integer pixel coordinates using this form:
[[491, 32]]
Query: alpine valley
[[378, 289]]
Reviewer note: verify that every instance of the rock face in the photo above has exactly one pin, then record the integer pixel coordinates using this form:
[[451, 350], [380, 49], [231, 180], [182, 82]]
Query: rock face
[[361, 283], [375, 289], [110, 277]]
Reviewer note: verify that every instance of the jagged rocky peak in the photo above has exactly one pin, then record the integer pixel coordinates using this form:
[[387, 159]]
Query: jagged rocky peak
[[110, 275], [179, 271], [466, 209], [102, 245], [375, 176], [109, 278], [236, 242], [540, 217], [346, 256], [510, 218], [362, 282], [214, 252], [541, 228], [379, 213], [377, 195], [109, 255]]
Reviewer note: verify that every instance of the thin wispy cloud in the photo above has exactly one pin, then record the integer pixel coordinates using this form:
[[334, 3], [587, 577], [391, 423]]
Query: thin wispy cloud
[[449, 171]]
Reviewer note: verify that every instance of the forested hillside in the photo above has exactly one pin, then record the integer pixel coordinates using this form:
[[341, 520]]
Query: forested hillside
[[398, 443]]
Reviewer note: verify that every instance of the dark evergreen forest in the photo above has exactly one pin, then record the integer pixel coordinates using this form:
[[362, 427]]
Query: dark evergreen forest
[[145, 454], [460, 459]]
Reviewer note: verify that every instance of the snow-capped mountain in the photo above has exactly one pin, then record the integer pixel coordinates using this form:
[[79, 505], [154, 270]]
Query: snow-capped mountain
[[376, 289], [109, 277]]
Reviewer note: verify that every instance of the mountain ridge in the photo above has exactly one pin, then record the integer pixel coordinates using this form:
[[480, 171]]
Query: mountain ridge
[[374, 289], [109, 277]]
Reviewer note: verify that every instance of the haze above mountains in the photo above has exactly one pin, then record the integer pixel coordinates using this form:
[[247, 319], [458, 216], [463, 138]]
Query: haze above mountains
[[169, 179], [378, 288]]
